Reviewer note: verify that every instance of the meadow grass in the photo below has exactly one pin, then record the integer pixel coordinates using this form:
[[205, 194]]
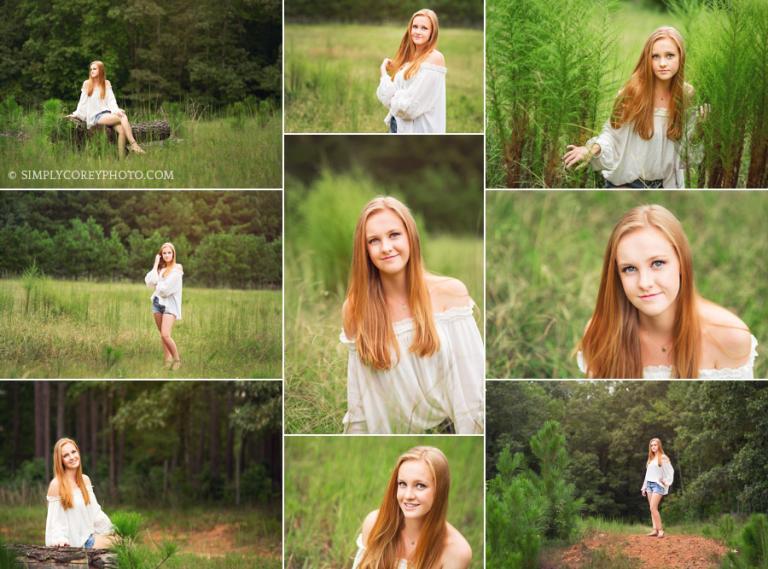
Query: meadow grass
[[316, 363], [544, 255], [332, 72], [332, 483], [234, 152], [57, 329]]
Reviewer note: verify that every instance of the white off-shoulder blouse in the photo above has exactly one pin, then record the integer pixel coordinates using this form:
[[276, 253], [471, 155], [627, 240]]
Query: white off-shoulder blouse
[[625, 156], [665, 372], [167, 289], [418, 393], [418, 103], [76, 524], [656, 473], [89, 107], [401, 564]]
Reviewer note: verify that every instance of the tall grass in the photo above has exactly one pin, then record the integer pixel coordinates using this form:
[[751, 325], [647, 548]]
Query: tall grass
[[317, 259], [55, 329], [332, 483], [332, 72], [544, 254]]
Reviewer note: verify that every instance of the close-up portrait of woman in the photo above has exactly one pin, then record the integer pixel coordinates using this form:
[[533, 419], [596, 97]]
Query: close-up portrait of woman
[[165, 278], [625, 285]]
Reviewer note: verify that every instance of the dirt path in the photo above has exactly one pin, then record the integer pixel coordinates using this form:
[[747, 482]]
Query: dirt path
[[216, 541], [671, 552]]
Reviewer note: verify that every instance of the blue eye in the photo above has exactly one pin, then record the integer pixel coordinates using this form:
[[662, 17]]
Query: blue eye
[[658, 264], [628, 269]]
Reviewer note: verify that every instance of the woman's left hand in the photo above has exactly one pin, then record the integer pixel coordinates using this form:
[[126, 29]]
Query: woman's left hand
[[385, 65], [120, 113]]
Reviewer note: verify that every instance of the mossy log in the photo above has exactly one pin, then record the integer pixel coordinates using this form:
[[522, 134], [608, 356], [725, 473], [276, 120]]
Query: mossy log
[[76, 131], [39, 557]]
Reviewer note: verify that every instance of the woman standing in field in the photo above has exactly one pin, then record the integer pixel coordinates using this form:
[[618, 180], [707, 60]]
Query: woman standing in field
[[649, 321], [415, 352], [97, 105], [165, 277], [75, 518], [412, 85], [410, 529], [659, 476], [639, 146]]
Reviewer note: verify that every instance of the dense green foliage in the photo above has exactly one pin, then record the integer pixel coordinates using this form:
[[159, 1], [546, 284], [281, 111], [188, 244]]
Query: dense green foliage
[[332, 483], [223, 239], [332, 73], [207, 52], [450, 12], [544, 254]]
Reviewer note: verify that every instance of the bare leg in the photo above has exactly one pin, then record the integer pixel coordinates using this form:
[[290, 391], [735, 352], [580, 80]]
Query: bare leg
[[649, 495], [104, 541], [165, 334], [655, 500], [120, 140], [113, 120], [167, 355]]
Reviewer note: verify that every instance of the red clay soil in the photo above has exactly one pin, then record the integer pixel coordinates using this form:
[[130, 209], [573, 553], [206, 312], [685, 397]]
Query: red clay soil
[[216, 541], [670, 552]]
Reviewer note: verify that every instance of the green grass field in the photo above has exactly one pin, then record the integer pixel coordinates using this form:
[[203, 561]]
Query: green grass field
[[332, 483], [60, 329], [244, 152], [332, 72], [207, 538], [544, 255], [316, 363]]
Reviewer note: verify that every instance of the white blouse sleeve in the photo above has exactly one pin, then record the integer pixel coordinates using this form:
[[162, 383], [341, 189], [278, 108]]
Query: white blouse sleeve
[[386, 90], [667, 471], [151, 278], [101, 522], [81, 104], [56, 526], [611, 141], [171, 285], [354, 420], [468, 372], [421, 94], [111, 101]]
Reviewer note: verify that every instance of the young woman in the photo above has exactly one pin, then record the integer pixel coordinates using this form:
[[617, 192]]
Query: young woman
[[415, 352], [75, 518], [97, 105], [165, 277], [659, 476], [409, 530], [649, 321], [639, 146], [412, 85]]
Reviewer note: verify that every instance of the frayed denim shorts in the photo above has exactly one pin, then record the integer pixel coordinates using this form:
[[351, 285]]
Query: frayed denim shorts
[[90, 542], [99, 115], [656, 488], [157, 308]]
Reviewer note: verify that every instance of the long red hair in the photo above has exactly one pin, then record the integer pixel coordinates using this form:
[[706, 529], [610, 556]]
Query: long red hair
[[65, 492], [611, 343], [408, 52], [366, 314], [163, 265], [634, 103], [100, 81], [659, 453], [381, 546]]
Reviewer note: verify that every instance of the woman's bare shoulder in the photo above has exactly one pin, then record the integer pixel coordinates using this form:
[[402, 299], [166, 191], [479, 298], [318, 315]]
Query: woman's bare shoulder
[[457, 553], [726, 338], [447, 293], [107, 83], [436, 58], [53, 488], [368, 522], [346, 320]]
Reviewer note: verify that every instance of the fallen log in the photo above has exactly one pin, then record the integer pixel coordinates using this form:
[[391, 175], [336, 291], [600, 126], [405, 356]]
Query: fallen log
[[75, 131], [39, 557]]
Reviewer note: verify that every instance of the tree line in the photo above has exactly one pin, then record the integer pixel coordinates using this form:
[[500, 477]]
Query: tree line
[[160, 443], [207, 52], [228, 239], [449, 12]]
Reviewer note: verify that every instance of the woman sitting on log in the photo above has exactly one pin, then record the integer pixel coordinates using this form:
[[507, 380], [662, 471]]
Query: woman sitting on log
[[97, 106]]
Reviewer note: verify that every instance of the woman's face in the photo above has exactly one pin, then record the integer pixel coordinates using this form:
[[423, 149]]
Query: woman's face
[[70, 458], [649, 271], [415, 489], [94, 70], [387, 242], [654, 447], [665, 59], [421, 30], [167, 254]]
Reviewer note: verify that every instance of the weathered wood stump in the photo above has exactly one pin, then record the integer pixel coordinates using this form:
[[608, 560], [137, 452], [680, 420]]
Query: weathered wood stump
[[76, 131], [38, 557]]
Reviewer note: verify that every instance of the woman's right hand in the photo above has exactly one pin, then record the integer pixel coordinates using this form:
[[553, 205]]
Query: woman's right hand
[[62, 543], [575, 155], [643, 492], [157, 260], [385, 65]]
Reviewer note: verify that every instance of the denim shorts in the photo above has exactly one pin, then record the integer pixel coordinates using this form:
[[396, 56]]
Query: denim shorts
[[99, 115], [90, 542], [393, 125], [157, 308], [656, 488]]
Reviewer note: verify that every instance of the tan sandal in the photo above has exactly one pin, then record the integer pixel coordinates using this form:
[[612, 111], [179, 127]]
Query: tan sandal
[[136, 148], [660, 534], [175, 365], [653, 533]]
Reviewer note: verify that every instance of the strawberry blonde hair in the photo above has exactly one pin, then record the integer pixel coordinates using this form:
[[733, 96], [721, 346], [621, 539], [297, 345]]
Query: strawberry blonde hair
[[168, 267], [381, 549], [408, 52], [65, 492], [366, 314], [659, 453], [101, 79], [634, 103], [611, 342]]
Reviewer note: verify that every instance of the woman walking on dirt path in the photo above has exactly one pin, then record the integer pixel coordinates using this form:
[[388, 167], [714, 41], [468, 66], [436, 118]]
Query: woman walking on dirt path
[[659, 476], [75, 518], [412, 85], [166, 278], [639, 146], [97, 106], [410, 529]]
